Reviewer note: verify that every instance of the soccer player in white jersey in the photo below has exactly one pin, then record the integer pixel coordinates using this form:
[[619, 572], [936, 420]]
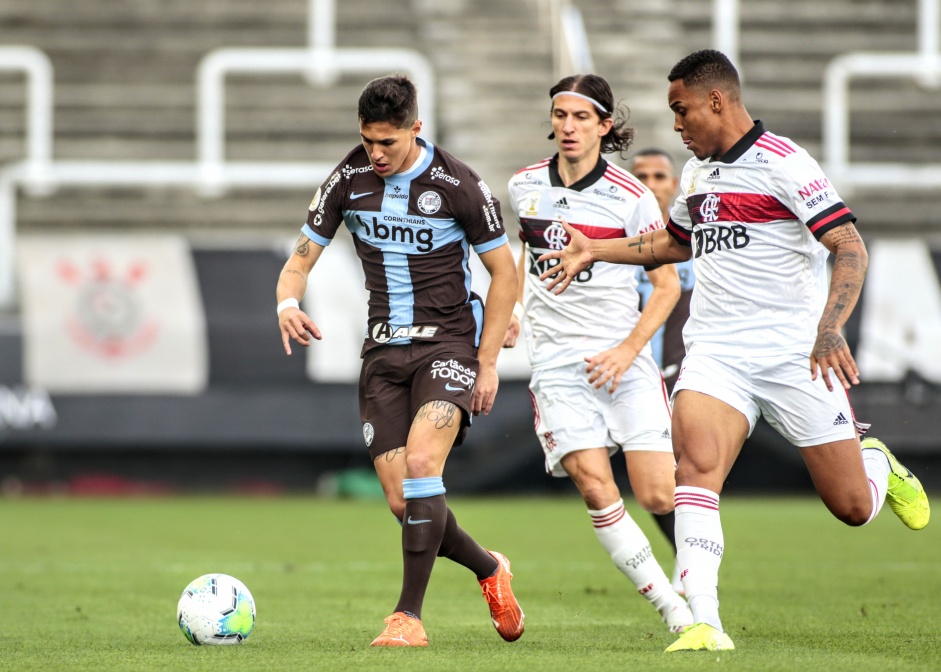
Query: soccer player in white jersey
[[764, 335], [595, 386]]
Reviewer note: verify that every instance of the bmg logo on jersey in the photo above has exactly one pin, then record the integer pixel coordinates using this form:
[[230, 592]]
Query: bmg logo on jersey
[[454, 373], [422, 238]]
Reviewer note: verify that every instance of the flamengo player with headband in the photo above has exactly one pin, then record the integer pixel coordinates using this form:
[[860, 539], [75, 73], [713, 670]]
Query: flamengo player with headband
[[595, 386], [759, 218]]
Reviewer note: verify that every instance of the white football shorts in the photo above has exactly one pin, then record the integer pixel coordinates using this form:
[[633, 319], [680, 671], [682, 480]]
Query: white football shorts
[[778, 387], [572, 415]]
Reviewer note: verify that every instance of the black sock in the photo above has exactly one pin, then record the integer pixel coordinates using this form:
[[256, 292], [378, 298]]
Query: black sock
[[422, 530], [667, 522], [459, 546]]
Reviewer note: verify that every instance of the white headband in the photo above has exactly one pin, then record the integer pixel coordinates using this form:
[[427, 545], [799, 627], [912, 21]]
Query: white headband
[[583, 97]]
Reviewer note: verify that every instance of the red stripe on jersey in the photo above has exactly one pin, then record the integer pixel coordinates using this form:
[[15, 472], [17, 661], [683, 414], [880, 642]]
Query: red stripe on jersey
[[598, 232], [823, 222], [747, 208], [778, 142], [677, 231], [535, 166], [619, 180], [624, 175], [771, 148]]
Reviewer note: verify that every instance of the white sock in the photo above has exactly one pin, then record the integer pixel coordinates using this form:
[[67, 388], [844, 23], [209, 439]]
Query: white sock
[[699, 544], [630, 551], [877, 469]]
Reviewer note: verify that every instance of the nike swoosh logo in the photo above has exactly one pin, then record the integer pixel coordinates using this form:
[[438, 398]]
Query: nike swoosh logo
[[418, 522], [451, 388], [354, 195]]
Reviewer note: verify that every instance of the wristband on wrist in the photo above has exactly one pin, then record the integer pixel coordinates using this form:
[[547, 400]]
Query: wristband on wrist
[[288, 303], [518, 311]]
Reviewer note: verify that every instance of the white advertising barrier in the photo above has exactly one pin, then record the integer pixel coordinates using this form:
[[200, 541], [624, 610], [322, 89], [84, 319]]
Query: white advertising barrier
[[111, 313], [336, 301], [900, 323]]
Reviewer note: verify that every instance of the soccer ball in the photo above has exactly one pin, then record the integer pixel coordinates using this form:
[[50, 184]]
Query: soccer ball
[[216, 609]]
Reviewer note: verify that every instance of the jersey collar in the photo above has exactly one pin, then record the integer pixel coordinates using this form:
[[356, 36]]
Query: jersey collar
[[596, 174], [742, 146]]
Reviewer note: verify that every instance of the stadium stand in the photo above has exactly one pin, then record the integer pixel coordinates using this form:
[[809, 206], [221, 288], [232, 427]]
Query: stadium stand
[[125, 90]]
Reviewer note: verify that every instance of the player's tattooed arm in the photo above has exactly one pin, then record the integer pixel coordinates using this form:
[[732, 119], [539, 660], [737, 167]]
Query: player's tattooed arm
[[441, 413], [302, 247], [639, 244], [830, 353], [849, 270]]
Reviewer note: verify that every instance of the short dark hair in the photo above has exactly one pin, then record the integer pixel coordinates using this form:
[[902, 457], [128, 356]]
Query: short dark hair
[[707, 67], [392, 99], [654, 151], [620, 137]]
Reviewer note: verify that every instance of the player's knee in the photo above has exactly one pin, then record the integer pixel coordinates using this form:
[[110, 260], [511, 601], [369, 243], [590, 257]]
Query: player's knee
[[599, 494], [655, 501], [855, 514], [420, 465]]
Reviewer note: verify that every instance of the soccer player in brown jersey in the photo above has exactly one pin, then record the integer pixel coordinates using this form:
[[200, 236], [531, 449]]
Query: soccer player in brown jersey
[[430, 353], [759, 217]]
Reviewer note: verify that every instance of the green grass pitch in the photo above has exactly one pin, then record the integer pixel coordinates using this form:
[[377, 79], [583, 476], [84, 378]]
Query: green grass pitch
[[93, 585]]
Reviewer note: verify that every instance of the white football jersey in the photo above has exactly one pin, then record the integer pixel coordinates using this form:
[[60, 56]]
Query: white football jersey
[[600, 308], [754, 218]]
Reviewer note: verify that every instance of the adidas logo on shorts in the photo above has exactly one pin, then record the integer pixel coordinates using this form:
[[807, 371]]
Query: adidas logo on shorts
[[841, 420]]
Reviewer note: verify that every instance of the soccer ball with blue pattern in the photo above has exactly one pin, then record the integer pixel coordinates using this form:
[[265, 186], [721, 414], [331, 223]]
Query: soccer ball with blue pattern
[[216, 609]]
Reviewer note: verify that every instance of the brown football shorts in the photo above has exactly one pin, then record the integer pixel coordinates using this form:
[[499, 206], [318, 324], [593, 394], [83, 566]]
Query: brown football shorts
[[397, 380]]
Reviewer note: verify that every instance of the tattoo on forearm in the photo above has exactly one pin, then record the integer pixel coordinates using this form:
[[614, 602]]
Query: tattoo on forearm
[[302, 248], [441, 413], [640, 246], [843, 234], [849, 269]]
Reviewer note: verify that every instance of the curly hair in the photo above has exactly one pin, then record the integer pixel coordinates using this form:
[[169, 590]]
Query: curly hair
[[620, 137]]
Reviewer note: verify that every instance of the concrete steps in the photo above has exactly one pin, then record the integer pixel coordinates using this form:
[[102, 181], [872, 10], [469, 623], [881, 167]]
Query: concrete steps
[[125, 90]]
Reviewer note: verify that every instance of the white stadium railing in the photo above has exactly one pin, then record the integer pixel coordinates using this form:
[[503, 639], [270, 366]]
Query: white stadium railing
[[924, 66], [210, 174], [571, 50]]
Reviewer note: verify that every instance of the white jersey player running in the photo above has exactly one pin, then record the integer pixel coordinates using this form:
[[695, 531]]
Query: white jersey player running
[[759, 218], [596, 388]]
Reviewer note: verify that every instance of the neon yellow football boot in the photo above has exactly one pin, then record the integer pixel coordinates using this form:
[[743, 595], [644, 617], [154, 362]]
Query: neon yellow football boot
[[906, 496], [702, 637]]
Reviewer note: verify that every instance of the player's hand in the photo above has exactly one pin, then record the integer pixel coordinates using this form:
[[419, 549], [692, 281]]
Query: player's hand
[[296, 326], [573, 259], [485, 391], [609, 366], [512, 333], [831, 353]]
